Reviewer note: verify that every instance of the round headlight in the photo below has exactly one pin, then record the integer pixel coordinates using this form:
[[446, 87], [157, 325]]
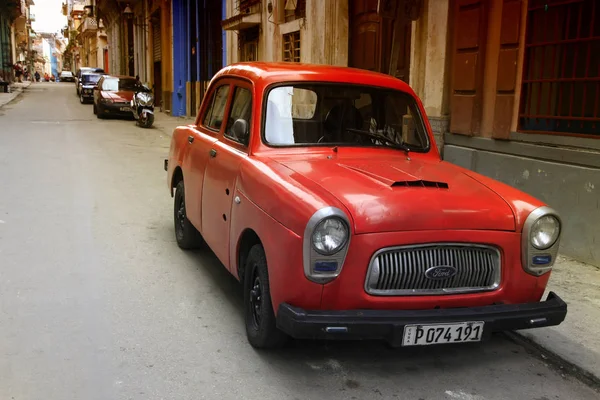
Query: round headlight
[[329, 236], [544, 232]]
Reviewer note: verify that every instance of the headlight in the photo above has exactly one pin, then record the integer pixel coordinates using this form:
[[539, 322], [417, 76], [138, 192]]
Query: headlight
[[145, 99], [540, 240], [329, 236], [106, 101], [544, 232], [325, 244]]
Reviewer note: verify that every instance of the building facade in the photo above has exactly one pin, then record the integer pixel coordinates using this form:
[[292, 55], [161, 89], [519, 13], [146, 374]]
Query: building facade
[[15, 37]]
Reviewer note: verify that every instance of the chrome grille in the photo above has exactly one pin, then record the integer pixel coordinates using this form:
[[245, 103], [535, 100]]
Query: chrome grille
[[401, 271]]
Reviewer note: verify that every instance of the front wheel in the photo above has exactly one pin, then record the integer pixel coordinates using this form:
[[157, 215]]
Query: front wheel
[[81, 99], [147, 121], [261, 328], [186, 234]]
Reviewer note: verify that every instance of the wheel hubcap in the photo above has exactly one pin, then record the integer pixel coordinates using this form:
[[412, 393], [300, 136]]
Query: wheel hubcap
[[255, 300]]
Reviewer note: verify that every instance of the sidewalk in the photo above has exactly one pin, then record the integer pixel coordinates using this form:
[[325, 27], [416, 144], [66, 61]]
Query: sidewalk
[[577, 339], [16, 90], [167, 123]]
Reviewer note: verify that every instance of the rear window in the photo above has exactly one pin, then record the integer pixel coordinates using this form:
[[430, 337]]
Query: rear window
[[90, 78], [117, 84]]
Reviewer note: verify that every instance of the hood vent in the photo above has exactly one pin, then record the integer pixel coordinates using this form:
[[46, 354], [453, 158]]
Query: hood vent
[[420, 183]]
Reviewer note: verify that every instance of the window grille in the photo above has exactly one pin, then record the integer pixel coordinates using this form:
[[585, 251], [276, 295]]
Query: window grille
[[560, 92]]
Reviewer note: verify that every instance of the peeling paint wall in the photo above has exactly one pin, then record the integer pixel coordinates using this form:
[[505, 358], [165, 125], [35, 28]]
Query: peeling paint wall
[[574, 191]]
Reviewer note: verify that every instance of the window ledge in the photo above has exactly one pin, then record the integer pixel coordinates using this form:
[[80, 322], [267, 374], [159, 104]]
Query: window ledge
[[289, 27], [555, 152], [557, 140]]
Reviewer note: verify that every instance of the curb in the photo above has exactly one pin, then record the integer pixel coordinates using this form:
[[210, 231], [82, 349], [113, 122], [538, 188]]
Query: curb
[[586, 377], [18, 93]]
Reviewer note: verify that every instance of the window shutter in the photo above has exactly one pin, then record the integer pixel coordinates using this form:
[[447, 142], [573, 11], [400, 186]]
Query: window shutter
[[507, 68], [468, 56]]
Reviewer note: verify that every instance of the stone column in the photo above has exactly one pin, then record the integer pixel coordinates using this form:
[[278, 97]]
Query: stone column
[[429, 64]]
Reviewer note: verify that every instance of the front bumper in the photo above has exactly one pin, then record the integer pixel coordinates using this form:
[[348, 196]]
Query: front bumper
[[116, 109], [388, 325]]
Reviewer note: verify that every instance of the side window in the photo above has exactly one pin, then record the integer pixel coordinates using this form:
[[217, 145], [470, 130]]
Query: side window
[[216, 109], [241, 112]]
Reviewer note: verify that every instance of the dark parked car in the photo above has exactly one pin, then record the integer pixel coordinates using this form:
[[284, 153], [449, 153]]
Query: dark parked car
[[114, 94], [89, 81], [83, 70]]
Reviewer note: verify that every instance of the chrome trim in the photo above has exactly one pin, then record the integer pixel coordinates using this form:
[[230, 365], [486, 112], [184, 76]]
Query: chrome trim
[[310, 255], [373, 272], [528, 251]]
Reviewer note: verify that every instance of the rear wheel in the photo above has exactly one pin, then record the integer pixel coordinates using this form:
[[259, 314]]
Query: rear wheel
[[261, 328], [186, 234]]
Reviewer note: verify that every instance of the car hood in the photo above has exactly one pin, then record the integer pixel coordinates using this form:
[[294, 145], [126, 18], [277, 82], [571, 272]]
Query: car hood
[[119, 97], [406, 195]]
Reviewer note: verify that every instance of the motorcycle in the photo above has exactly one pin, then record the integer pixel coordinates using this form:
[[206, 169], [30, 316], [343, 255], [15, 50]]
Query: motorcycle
[[142, 106]]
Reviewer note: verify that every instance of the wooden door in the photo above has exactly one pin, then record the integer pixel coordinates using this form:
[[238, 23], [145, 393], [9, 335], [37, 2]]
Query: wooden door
[[468, 55], [365, 35], [380, 33]]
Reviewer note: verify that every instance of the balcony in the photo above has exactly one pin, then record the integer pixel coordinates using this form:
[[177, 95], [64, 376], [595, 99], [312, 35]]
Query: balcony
[[247, 15], [88, 26]]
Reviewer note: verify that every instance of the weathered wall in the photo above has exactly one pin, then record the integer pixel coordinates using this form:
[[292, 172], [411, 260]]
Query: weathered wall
[[323, 34], [574, 191], [429, 64]]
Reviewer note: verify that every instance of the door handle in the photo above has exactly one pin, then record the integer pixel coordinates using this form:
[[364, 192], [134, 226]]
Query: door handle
[[213, 153], [191, 139]]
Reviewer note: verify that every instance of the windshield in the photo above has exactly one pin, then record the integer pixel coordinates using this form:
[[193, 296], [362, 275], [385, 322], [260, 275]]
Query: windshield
[[118, 84], [343, 115], [67, 73], [90, 78]]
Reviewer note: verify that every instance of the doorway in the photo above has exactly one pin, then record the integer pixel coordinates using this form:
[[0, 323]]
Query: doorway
[[157, 57], [380, 35]]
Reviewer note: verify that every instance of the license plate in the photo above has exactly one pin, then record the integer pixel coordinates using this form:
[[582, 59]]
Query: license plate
[[125, 109], [459, 332]]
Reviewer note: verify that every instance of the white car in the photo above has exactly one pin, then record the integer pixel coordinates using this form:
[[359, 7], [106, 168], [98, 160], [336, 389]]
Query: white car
[[66, 76]]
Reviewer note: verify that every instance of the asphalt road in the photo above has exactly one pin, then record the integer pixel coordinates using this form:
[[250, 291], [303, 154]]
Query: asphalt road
[[98, 302]]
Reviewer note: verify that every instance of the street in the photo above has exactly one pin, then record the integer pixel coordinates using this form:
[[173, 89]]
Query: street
[[98, 302]]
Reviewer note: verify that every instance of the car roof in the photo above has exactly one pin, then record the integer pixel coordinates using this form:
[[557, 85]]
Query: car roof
[[273, 72], [119, 76]]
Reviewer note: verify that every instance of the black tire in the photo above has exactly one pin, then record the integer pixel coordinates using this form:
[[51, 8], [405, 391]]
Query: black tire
[[261, 327], [95, 110], [81, 99], [186, 234]]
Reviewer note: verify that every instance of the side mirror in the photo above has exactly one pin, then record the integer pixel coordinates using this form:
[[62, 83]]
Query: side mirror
[[240, 130]]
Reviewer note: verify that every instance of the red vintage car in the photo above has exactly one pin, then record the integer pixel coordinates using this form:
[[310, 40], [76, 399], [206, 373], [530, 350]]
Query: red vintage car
[[322, 190]]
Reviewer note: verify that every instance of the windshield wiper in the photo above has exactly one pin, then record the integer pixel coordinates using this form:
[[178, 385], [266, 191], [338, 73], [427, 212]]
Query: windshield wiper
[[382, 138]]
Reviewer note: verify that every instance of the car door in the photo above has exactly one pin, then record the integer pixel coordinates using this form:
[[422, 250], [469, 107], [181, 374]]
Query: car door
[[222, 171], [200, 140]]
